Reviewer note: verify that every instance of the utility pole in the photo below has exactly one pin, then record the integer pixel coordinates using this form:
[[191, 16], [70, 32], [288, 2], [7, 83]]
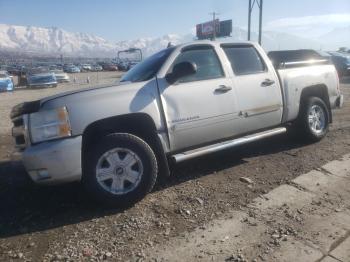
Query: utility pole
[[249, 17], [252, 3], [260, 20], [214, 23]]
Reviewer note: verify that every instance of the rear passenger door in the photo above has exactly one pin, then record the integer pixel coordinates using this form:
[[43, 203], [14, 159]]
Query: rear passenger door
[[258, 92]]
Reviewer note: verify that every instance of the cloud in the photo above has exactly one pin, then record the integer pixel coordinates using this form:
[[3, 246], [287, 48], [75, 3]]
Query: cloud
[[309, 26], [308, 21]]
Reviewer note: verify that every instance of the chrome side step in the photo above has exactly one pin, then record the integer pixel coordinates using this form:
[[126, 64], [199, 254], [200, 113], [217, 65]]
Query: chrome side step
[[227, 144]]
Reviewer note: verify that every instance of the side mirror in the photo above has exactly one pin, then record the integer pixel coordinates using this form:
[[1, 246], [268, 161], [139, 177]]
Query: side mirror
[[181, 70]]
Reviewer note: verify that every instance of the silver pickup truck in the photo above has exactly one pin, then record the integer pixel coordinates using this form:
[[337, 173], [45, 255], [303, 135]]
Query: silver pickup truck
[[182, 102]]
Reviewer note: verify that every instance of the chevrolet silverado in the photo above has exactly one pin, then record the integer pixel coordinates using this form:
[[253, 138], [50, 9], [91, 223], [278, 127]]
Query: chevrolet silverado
[[180, 103]]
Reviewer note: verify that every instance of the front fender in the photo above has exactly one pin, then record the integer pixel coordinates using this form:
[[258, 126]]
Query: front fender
[[89, 106]]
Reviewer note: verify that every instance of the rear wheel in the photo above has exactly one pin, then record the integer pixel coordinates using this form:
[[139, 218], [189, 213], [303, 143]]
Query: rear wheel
[[121, 170], [314, 119]]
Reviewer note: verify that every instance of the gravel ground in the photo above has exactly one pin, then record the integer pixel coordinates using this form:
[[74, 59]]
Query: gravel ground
[[62, 224]]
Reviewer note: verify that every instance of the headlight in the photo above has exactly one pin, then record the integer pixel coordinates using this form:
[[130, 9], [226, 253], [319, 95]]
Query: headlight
[[50, 124]]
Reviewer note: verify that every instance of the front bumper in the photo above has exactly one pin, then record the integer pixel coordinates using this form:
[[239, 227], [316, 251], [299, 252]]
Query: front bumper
[[4, 88], [54, 162], [63, 80], [42, 85]]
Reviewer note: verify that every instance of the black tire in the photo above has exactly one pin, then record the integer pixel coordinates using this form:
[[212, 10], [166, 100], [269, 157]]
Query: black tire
[[148, 177], [304, 128]]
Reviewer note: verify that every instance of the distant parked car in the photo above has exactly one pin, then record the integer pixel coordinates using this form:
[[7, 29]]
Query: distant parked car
[[55, 67], [72, 69], [123, 66], [61, 76], [6, 83], [86, 67], [341, 63], [16, 70], [132, 64], [96, 68], [126, 65], [110, 67], [41, 80]]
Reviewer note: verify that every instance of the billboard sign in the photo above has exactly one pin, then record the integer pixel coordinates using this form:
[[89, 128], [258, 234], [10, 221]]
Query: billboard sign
[[206, 30], [225, 28], [208, 27]]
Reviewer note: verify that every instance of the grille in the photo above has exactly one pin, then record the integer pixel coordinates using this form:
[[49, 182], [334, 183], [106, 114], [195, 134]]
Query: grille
[[20, 131]]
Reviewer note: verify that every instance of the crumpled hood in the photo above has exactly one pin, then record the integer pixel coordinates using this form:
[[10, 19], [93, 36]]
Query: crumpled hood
[[67, 93], [77, 95]]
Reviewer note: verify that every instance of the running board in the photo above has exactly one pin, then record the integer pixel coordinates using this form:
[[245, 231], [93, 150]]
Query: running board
[[227, 144]]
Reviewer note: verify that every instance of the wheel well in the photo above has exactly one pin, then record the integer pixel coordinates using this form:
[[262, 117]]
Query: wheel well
[[138, 124], [320, 91]]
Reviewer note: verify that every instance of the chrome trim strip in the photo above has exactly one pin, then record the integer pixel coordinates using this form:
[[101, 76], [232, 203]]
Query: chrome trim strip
[[302, 63], [227, 144], [262, 110]]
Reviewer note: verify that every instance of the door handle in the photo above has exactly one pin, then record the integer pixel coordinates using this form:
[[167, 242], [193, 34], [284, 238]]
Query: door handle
[[267, 82], [223, 88]]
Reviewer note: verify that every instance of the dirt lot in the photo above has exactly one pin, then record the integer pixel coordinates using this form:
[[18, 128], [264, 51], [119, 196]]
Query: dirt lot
[[61, 223]]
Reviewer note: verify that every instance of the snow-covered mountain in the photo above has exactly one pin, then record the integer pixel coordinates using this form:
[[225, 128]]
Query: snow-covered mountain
[[336, 38], [54, 41]]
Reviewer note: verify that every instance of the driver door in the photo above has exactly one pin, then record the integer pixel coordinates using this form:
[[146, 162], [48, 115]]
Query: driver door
[[199, 108]]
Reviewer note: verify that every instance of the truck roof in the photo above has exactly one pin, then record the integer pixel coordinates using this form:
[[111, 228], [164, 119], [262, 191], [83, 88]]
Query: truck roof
[[215, 42]]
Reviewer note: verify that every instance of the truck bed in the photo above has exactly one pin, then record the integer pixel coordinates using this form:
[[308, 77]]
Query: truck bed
[[295, 76]]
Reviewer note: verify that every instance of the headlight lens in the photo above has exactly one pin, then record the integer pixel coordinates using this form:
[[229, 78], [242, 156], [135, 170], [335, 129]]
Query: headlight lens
[[50, 124]]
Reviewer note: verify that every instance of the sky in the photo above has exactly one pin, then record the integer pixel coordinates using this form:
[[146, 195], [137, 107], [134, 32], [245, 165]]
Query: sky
[[117, 20]]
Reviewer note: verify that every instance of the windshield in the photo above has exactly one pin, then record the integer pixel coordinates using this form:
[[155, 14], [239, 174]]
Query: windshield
[[38, 70], [148, 68]]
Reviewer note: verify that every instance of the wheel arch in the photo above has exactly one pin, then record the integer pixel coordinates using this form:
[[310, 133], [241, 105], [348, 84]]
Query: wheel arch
[[320, 91], [138, 124]]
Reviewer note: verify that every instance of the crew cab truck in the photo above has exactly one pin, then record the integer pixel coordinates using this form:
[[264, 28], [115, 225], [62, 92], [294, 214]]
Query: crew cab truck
[[182, 102]]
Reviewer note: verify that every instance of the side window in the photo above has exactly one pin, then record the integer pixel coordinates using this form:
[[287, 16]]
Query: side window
[[208, 64], [244, 59]]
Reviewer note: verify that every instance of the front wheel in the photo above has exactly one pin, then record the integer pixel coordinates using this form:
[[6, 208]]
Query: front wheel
[[120, 170], [314, 119]]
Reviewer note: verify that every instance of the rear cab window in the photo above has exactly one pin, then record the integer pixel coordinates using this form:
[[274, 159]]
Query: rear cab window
[[244, 59]]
